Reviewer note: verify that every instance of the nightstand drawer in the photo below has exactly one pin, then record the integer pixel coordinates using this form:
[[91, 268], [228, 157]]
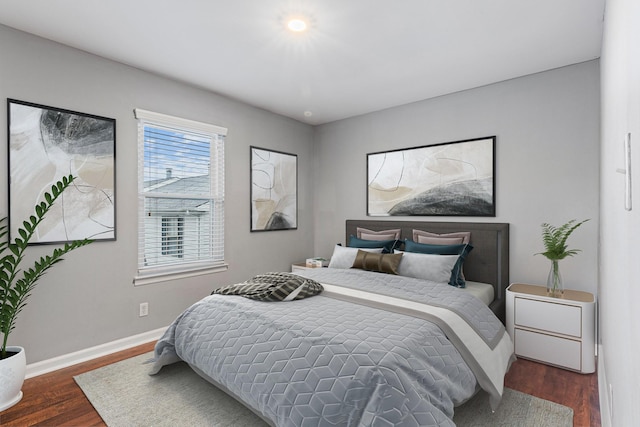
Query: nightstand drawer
[[548, 316], [532, 345]]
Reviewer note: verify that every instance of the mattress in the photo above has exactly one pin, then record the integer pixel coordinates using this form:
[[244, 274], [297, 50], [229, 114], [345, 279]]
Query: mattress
[[324, 361], [483, 291]]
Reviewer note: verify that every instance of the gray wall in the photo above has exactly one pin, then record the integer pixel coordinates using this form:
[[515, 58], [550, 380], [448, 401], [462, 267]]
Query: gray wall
[[547, 128], [620, 229], [89, 299]]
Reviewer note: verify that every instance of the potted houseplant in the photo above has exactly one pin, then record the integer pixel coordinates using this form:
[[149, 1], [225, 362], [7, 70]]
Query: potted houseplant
[[555, 243], [16, 284]]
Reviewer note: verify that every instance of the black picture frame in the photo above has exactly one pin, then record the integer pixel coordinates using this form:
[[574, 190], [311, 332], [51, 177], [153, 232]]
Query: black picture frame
[[274, 190], [47, 143], [447, 179]]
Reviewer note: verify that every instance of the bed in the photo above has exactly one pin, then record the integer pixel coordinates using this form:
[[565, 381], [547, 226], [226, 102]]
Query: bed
[[371, 349]]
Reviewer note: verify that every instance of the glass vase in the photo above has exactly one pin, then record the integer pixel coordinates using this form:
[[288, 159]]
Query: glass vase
[[555, 287]]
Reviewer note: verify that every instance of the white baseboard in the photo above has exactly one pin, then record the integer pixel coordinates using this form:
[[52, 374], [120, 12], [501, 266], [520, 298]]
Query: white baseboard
[[606, 417], [45, 366]]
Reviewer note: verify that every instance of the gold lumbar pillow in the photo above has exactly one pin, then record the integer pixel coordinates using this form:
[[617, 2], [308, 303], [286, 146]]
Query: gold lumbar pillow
[[382, 263]]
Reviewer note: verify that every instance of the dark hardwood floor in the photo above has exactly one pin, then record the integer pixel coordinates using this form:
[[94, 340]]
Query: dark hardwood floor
[[577, 391], [54, 399]]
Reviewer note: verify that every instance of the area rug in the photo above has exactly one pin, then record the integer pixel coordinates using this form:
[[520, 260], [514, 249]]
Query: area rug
[[125, 395]]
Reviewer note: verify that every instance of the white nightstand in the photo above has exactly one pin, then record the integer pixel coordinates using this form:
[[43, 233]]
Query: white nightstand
[[556, 331], [301, 266]]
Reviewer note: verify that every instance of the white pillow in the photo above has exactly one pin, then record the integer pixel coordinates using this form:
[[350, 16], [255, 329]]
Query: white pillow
[[436, 268], [343, 257]]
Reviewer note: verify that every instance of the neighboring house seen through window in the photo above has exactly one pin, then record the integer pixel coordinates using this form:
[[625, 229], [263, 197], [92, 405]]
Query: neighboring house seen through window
[[172, 238], [181, 197]]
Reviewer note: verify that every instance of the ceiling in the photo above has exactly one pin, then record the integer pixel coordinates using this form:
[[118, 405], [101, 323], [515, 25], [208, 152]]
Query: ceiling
[[357, 56]]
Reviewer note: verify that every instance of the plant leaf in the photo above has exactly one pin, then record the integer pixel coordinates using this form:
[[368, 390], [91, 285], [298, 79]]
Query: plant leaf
[[14, 290], [555, 239]]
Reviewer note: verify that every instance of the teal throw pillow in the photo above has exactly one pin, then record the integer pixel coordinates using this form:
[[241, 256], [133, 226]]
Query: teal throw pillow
[[387, 245]]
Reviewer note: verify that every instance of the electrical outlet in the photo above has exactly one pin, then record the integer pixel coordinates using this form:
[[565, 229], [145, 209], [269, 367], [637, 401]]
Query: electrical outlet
[[144, 309]]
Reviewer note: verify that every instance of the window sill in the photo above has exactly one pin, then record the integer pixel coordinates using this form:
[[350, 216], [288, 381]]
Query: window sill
[[158, 277]]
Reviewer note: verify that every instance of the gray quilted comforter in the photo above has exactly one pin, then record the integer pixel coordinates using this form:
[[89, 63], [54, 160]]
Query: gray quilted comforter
[[322, 361]]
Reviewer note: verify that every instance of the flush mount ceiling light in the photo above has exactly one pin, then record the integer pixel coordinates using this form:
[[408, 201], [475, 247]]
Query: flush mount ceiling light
[[297, 25]]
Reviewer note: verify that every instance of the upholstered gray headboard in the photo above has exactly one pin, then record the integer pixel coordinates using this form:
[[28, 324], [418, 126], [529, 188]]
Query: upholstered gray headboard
[[488, 262]]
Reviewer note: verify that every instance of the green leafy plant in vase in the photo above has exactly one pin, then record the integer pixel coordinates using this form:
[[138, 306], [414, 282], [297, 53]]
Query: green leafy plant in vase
[[17, 283], [555, 243]]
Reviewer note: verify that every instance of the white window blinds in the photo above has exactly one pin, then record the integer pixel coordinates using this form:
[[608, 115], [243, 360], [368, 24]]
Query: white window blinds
[[180, 194]]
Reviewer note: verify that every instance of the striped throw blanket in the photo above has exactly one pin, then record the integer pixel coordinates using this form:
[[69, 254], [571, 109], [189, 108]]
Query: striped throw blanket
[[273, 287]]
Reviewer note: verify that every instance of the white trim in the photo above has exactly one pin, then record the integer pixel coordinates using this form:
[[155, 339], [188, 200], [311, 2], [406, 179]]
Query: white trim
[[606, 419], [163, 275], [164, 119], [66, 360]]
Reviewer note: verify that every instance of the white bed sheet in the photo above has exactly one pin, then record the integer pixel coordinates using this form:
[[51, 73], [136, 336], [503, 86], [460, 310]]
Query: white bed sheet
[[482, 291]]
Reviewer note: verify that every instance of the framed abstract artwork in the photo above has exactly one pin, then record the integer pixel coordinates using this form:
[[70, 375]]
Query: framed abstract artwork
[[274, 190], [47, 143], [448, 179]]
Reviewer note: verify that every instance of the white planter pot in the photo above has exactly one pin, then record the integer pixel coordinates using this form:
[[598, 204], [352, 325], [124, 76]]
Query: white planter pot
[[12, 373]]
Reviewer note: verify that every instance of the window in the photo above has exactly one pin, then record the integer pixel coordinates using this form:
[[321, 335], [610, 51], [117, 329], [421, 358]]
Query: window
[[172, 240], [180, 196]]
